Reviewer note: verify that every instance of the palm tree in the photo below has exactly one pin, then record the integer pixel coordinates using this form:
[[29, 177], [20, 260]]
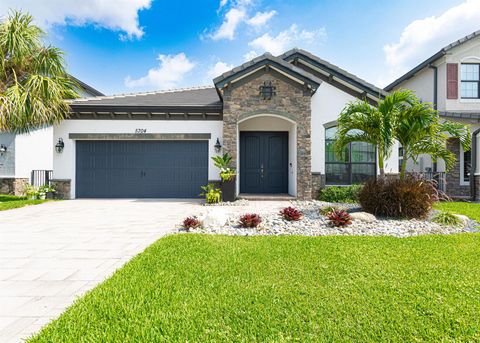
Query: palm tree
[[420, 131], [33, 80], [362, 122]]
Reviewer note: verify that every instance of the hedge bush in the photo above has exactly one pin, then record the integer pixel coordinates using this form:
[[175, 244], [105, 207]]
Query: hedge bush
[[345, 194]]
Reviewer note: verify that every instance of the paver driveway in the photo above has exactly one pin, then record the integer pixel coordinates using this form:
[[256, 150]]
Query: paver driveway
[[52, 253]]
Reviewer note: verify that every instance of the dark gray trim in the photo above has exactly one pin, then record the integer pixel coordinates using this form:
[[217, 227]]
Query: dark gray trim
[[110, 112], [337, 84], [141, 136], [298, 54], [430, 60], [461, 115], [474, 163], [262, 72], [86, 87], [266, 60]]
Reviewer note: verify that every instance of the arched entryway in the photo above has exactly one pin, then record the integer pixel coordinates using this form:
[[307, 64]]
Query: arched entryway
[[267, 151]]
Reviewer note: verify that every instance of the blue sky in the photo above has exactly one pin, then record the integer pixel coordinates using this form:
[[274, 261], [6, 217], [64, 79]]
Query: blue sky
[[122, 46]]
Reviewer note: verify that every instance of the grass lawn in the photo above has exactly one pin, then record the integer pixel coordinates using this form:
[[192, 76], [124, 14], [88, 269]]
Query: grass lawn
[[8, 202], [200, 288], [471, 210]]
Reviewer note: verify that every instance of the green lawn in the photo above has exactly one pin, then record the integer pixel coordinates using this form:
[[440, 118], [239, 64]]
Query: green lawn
[[471, 210], [8, 202], [199, 288]]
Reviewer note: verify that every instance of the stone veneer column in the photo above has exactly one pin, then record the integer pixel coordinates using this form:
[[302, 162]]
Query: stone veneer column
[[243, 100]]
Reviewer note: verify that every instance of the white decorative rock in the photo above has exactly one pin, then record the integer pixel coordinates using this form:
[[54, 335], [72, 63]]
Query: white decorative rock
[[363, 217], [464, 219], [215, 217]]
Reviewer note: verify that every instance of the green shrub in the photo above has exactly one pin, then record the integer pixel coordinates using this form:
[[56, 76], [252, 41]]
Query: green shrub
[[410, 197], [447, 219], [346, 194], [211, 193], [327, 209]]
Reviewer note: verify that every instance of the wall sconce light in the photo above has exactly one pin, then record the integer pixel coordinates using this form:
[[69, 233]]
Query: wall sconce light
[[60, 145], [3, 149], [218, 146]]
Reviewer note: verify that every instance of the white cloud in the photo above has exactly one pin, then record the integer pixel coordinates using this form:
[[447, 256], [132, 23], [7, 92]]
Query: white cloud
[[261, 18], [222, 4], [218, 69], [115, 15], [250, 55], [168, 74], [422, 38], [232, 19], [290, 38]]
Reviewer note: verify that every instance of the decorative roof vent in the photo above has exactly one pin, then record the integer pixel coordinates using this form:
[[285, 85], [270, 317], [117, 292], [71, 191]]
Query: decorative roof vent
[[267, 91]]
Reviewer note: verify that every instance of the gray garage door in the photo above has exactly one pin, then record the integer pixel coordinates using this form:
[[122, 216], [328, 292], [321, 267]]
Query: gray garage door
[[141, 169]]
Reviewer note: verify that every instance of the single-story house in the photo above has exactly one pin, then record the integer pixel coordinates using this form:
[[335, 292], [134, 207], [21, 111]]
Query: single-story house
[[450, 80], [276, 115], [21, 154]]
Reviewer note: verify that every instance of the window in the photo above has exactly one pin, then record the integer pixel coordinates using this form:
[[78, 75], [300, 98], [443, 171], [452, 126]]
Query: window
[[470, 76], [465, 166], [356, 164]]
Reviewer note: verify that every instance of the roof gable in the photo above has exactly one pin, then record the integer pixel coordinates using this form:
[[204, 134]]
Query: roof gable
[[431, 60], [332, 72], [267, 60]]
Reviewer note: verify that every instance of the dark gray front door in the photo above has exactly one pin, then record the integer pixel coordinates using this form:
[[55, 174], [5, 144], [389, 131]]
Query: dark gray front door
[[263, 162], [141, 169]]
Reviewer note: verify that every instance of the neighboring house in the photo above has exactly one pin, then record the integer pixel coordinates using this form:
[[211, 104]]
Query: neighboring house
[[450, 80], [27, 152], [275, 115]]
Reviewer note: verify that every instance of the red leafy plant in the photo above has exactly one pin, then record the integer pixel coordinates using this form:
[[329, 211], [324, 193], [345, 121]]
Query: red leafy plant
[[339, 218], [191, 223], [250, 220], [291, 214]]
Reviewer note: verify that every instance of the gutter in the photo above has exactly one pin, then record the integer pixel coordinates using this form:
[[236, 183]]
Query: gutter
[[435, 85], [474, 164]]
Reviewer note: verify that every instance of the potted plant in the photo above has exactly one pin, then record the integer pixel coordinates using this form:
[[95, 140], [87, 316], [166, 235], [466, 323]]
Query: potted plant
[[227, 175], [48, 191]]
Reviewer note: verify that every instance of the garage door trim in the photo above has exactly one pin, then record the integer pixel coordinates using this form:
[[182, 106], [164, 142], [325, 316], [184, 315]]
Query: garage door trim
[[141, 136]]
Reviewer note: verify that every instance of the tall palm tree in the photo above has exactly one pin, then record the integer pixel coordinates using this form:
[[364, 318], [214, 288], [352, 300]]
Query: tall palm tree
[[362, 122], [420, 131], [33, 81]]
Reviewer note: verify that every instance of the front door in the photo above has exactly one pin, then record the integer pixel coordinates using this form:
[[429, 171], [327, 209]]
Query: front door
[[263, 162]]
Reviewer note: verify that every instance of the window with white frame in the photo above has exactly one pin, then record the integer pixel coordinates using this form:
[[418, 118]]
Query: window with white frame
[[470, 81]]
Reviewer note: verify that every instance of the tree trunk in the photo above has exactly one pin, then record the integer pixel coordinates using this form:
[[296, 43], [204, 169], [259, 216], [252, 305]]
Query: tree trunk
[[404, 164], [381, 167]]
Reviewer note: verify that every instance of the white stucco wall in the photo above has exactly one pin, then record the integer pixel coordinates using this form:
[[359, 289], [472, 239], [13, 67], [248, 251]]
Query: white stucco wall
[[327, 103], [33, 151], [64, 163], [421, 84]]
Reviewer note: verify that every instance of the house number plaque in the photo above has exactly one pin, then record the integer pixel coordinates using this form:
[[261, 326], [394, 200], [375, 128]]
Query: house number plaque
[[140, 130]]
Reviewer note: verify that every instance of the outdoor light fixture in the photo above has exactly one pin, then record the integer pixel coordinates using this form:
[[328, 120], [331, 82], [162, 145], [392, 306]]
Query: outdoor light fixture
[[267, 91], [3, 149], [60, 145], [218, 146]]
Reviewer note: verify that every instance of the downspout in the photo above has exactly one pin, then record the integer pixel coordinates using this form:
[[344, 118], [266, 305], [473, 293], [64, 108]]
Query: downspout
[[473, 169], [435, 98]]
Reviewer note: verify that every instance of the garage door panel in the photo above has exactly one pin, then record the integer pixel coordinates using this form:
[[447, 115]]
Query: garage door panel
[[154, 169]]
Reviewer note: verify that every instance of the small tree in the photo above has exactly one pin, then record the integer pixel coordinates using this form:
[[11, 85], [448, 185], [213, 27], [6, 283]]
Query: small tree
[[420, 130], [362, 122], [33, 80]]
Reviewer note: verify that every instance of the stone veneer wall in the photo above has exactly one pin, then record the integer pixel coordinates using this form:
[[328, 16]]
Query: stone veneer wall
[[243, 100], [13, 186], [452, 177], [318, 182], [62, 188], [477, 187]]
